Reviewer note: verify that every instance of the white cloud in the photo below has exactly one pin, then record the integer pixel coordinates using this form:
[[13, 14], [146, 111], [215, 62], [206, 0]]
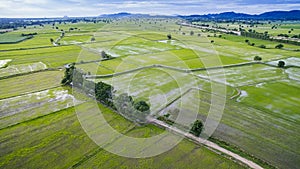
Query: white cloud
[[51, 8]]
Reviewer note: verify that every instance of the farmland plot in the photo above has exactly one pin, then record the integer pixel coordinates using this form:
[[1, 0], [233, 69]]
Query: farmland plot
[[11, 38], [268, 135], [246, 75], [22, 68], [4, 63], [280, 97], [292, 61], [293, 73], [16, 86], [57, 140], [21, 108]]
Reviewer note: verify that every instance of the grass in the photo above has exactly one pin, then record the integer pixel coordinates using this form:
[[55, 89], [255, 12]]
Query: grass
[[19, 85]]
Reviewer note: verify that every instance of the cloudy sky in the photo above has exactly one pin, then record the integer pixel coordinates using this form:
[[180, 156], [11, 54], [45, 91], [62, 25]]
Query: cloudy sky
[[59, 8]]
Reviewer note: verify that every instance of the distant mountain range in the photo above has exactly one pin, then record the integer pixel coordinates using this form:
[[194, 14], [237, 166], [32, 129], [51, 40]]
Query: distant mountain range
[[123, 14], [274, 15]]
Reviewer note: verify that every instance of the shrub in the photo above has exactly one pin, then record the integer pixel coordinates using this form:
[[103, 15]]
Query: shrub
[[281, 64], [197, 128], [257, 58], [279, 46]]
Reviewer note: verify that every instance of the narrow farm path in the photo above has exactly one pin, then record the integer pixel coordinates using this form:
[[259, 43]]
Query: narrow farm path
[[206, 143]]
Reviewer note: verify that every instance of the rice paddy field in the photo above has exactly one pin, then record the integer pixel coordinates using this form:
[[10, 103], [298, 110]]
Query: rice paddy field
[[39, 125]]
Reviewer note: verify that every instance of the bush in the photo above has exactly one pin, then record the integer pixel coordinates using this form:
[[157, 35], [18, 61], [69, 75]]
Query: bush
[[197, 128], [262, 46], [279, 46], [169, 36], [281, 64], [257, 58]]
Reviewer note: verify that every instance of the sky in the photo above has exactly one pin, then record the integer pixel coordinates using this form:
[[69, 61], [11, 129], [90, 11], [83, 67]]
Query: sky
[[60, 8]]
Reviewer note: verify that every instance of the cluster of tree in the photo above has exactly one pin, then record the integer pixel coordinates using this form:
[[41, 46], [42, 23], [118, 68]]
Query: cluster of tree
[[296, 36], [106, 56], [283, 35], [133, 110], [72, 29], [204, 25], [265, 36], [28, 34], [124, 104], [15, 23], [165, 118], [253, 34]]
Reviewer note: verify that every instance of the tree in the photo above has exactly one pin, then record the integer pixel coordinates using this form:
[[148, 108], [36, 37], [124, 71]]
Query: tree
[[197, 128], [93, 39], [257, 58], [192, 33], [141, 106], [169, 36], [51, 40], [212, 41], [142, 110], [247, 41], [104, 93], [67, 80], [279, 46], [281, 64]]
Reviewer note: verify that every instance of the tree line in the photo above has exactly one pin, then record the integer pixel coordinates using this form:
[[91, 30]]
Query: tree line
[[265, 36], [124, 104]]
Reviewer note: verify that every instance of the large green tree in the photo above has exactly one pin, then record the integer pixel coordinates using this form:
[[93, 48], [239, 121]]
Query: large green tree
[[104, 93], [281, 64], [67, 80], [197, 128]]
